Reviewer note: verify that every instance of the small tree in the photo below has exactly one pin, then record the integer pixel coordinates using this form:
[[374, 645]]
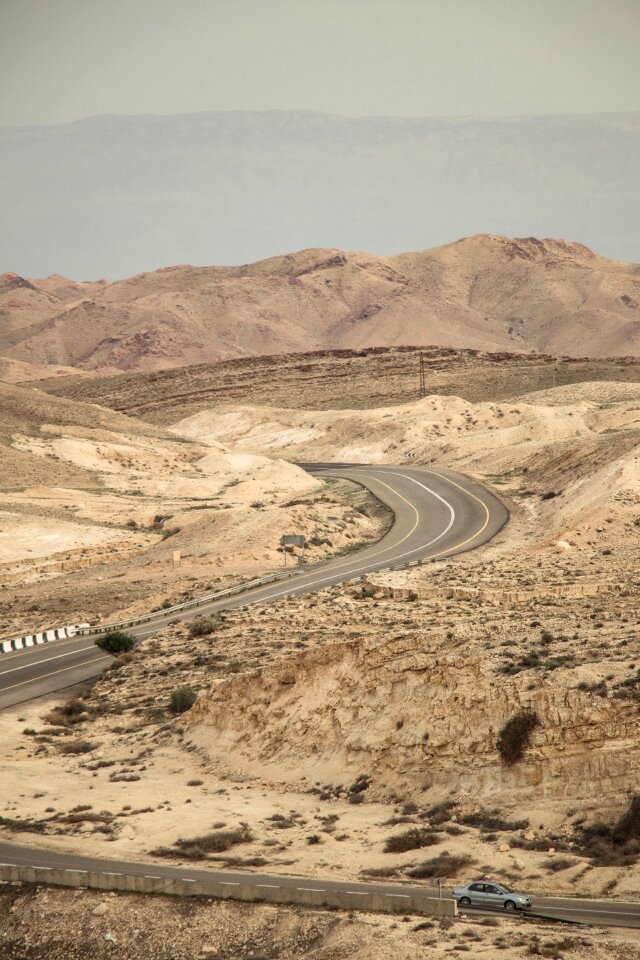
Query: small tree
[[182, 699], [514, 737], [116, 642]]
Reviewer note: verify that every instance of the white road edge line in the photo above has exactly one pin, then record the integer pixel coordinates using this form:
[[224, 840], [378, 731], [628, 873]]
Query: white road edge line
[[297, 581], [58, 656], [407, 553]]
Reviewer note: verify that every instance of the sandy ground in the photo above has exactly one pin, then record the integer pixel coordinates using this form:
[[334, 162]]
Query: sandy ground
[[147, 788], [46, 924], [548, 605], [23, 537], [123, 499]]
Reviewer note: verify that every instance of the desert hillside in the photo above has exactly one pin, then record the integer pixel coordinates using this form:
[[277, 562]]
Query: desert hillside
[[94, 505], [484, 292], [368, 713], [336, 380]]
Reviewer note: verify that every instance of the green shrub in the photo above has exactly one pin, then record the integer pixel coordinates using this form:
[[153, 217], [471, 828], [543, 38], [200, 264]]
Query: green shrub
[[182, 699], [203, 626], [115, 642], [515, 735]]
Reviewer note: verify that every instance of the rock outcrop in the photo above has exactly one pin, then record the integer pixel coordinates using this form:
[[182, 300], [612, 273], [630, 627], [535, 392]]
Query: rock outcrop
[[418, 714]]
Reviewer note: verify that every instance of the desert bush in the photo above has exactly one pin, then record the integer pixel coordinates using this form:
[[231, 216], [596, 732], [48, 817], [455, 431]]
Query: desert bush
[[358, 787], [444, 865], [617, 845], [203, 626], [199, 848], [491, 820], [412, 839], [515, 735], [77, 746], [67, 714], [380, 872], [120, 661], [115, 642], [440, 812], [556, 864], [182, 699], [540, 844], [26, 826]]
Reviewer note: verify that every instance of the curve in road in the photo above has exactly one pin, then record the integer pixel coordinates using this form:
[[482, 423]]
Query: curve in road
[[437, 514]]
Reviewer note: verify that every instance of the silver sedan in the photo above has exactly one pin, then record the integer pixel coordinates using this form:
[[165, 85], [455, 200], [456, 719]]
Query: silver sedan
[[483, 894]]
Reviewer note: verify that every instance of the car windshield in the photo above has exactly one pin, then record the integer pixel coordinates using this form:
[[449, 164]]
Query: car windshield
[[504, 889]]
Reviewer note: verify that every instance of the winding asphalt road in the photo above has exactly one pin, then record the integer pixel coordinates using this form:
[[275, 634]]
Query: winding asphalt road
[[438, 514]]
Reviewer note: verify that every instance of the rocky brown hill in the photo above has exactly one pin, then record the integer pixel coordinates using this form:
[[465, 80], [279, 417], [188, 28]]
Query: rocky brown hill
[[483, 292]]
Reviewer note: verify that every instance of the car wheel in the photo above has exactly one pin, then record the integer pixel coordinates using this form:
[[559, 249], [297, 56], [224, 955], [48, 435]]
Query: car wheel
[[509, 905], [464, 902]]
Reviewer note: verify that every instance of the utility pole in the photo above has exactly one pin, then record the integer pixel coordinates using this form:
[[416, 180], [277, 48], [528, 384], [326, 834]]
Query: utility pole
[[423, 377]]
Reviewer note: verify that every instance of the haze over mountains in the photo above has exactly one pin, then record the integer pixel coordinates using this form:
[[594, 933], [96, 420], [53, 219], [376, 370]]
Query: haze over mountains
[[110, 196], [485, 292]]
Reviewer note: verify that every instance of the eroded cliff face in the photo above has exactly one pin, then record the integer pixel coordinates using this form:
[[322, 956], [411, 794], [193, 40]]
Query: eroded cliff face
[[419, 714]]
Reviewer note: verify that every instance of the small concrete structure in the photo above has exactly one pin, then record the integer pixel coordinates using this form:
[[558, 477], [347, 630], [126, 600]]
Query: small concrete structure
[[229, 890]]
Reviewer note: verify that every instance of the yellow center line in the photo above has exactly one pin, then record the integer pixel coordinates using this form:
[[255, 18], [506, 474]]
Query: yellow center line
[[329, 569]]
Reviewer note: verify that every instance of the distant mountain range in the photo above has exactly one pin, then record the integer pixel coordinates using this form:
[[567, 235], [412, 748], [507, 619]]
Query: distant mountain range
[[110, 196], [486, 292]]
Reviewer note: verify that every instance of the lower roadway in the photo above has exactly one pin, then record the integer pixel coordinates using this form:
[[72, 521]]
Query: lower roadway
[[593, 912]]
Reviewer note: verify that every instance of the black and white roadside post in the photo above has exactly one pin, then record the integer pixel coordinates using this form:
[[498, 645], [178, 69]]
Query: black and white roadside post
[[293, 540]]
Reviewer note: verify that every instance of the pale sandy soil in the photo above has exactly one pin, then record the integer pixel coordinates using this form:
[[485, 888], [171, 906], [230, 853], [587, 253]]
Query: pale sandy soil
[[136, 738], [18, 371], [551, 604], [109, 498], [48, 924], [24, 537]]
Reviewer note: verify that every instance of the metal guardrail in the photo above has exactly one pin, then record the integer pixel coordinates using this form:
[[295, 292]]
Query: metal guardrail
[[59, 633], [190, 604]]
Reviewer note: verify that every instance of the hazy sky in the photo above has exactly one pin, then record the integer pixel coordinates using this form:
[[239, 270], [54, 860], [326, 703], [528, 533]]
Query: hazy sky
[[65, 59]]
